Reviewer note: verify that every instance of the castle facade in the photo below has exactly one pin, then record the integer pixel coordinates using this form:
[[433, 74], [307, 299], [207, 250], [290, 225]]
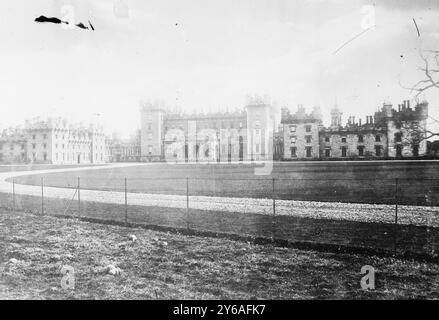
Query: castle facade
[[259, 132], [217, 137], [53, 141]]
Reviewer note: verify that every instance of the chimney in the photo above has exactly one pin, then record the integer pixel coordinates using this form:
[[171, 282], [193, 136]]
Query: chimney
[[399, 107], [353, 120], [359, 122], [404, 104], [408, 104]]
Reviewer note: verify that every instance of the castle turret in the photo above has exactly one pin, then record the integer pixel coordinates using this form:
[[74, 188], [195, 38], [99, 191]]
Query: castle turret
[[422, 109], [336, 117], [387, 109]]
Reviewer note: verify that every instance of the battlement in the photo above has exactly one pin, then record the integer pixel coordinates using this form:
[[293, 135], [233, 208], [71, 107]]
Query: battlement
[[205, 116], [300, 116], [60, 124]]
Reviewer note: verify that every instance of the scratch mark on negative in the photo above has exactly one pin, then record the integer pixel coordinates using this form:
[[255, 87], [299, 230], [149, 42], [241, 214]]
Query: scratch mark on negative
[[349, 41], [416, 25]]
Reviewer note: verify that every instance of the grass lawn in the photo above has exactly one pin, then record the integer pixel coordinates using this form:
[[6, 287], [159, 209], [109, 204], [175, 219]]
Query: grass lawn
[[367, 182], [173, 266]]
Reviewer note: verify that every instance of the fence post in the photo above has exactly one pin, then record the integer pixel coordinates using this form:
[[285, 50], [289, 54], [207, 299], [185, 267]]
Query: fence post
[[126, 203], [13, 194], [274, 201], [187, 202], [79, 196], [273, 221], [42, 196], [396, 217]]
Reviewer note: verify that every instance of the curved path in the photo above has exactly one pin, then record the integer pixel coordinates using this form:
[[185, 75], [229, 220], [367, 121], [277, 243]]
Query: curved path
[[417, 215]]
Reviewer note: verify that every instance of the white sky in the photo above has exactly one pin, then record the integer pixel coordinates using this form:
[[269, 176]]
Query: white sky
[[208, 55]]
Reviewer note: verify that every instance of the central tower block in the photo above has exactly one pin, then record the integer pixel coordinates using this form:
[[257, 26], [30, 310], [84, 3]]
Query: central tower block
[[151, 138]]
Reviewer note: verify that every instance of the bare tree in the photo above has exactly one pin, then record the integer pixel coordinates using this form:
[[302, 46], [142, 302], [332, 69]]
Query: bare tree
[[430, 80], [431, 73]]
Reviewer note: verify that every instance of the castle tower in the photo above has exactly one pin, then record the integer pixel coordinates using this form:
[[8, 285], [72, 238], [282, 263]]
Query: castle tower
[[260, 124], [151, 131], [336, 117]]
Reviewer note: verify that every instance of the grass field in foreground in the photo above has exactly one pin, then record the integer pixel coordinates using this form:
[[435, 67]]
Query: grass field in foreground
[[186, 267], [367, 182]]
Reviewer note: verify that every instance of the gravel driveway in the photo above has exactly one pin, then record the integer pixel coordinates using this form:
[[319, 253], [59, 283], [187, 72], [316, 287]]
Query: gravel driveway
[[416, 215]]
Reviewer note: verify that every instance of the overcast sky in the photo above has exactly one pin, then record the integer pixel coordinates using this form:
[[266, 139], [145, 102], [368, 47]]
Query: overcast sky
[[208, 55]]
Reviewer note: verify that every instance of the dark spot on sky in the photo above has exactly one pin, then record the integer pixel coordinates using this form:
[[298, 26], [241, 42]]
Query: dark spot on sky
[[401, 56]]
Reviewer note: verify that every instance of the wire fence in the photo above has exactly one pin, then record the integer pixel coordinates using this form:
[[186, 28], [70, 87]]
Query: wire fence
[[396, 216]]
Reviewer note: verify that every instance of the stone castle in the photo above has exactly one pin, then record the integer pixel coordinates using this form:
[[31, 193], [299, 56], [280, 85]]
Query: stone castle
[[216, 137], [53, 141], [260, 132]]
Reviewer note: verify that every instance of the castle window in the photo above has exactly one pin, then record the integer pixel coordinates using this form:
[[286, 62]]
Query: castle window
[[33, 137], [308, 139], [257, 131], [257, 148], [293, 152], [327, 153], [149, 126], [22, 147], [33, 145], [149, 136], [378, 151], [360, 138], [344, 151], [343, 139], [399, 150], [149, 150], [292, 128], [44, 136], [361, 151], [240, 124], [308, 152], [258, 123], [45, 156], [12, 147], [398, 137], [415, 150], [326, 139], [308, 128], [293, 139], [45, 145], [377, 138]]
